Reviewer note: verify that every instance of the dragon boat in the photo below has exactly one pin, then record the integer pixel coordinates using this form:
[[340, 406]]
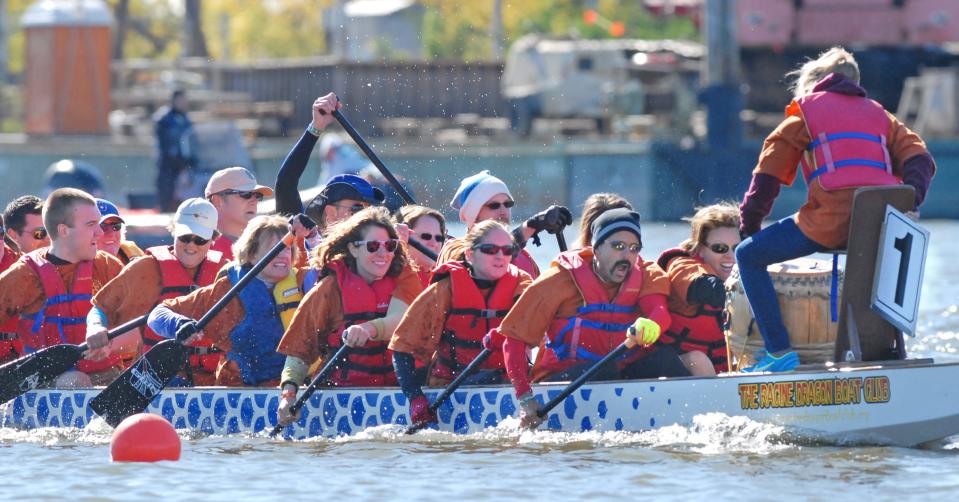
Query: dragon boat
[[901, 403]]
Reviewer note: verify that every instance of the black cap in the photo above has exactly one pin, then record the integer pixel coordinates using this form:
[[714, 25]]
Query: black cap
[[613, 221]]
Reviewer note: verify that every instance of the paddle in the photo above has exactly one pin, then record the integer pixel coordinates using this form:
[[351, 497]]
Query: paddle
[[448, 391], [133, 390], [375, 159], [579, 381], [561, 240], [325, 372], [41, 368]]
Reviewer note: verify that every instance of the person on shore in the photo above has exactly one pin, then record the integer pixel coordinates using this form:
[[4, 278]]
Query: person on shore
[[24, 223], [10, 346], [165, 272], [484, 197], [365, 288], [175, 154], [842, 140], [447, 323], [428, 226], [234, 193], [697, 271], [249, 327], [50, 288], [593, 206], [587, 304], [113, 238]]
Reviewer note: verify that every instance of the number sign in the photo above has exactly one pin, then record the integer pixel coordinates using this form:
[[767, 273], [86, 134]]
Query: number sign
[[899, 268]]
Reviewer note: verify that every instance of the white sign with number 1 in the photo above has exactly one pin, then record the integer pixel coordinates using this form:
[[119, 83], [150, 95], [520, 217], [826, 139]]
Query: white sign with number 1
[[899, 268]]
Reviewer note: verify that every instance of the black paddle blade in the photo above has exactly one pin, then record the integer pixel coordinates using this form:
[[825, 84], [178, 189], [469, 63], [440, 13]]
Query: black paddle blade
[[133, 390], [38, 369]]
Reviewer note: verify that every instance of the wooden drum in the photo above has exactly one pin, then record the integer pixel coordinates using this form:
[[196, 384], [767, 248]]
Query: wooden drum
[[802, 288]]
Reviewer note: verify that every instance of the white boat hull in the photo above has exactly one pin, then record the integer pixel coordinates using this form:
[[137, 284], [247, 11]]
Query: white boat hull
[[897, 405]]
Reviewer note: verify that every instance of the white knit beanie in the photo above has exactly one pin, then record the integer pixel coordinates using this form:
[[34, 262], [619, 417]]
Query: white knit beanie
[[474, 192]]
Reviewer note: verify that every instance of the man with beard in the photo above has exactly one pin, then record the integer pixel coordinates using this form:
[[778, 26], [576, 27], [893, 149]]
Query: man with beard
[[484, 197], [587, 303]]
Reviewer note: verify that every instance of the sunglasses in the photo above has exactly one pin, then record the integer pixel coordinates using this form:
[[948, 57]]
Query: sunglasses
[[116, 227], [721, 247], [39, 234], [374, 246], [495, 205], [622, 246], [427, 237], [354, 208], [492, 249], [196, 239], [243, 195]]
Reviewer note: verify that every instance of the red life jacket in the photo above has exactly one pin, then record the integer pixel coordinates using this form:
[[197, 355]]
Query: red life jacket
[[599, 325], [372, 364], [848, 147], [176, 282], [63, 316], [470, 318], [10, 346], [526, 263], [702, 331], [224, 245]]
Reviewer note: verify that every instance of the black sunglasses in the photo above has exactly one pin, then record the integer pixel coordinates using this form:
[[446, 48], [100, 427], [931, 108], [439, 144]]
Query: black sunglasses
[[243, 195], [492, 249], [196, 239], [354, 208], [721, 247], [39, 234], [116, 227], [425, 237], [374, 246], [495, 205]]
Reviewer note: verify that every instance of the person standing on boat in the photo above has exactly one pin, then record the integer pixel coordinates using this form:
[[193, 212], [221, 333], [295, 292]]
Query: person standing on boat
[[428, 226], [842, 140], [366, 285], [112, 241], [593, 206], [484, 197], [10, 346], [447, 323], [697, 271], [24, 223], [586, 304], [50, 288], [249, 327], [234, 193], [175, 152], [165, 272]]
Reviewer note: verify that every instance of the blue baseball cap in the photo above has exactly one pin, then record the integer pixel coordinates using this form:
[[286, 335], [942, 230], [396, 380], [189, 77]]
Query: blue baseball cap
[[108, 210], [351, 186]]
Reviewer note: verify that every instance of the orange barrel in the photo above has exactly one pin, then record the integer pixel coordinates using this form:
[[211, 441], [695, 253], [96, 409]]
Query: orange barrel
[[802, 288], [67, 67]]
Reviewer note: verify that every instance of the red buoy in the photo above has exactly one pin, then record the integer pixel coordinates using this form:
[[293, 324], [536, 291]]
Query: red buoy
[[144, 438]]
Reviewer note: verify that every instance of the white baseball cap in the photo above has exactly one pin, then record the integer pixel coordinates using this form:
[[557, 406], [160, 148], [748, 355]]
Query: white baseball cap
[[195, 216], [235, 178]]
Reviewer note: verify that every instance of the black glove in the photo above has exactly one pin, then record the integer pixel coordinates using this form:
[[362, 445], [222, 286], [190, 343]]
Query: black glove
[[708, 290], [553, 219], [185, 330], [304, 220]]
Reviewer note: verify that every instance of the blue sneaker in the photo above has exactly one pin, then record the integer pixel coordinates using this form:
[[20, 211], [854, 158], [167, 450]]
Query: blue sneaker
[[769, 362]]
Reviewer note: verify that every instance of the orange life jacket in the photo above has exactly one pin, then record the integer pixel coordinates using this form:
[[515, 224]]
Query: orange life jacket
[[524, 261], [176, 282], [470, 318], [849, 144], [372, 364], [224, 245], [63, 316], [600, 324], [10, 346]]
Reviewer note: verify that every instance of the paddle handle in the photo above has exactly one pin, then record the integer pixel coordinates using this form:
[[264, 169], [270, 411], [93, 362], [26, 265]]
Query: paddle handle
[[561, 240], [348, 127], [575, 384], [422, 248], [121, 329], [285, 242], [310, 389], [455, 384]]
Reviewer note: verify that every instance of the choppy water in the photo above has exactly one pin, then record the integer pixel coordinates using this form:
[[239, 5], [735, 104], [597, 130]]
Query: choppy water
[[717, 458]]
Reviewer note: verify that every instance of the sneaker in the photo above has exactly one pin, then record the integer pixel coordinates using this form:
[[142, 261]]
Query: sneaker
[[771, 363]]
